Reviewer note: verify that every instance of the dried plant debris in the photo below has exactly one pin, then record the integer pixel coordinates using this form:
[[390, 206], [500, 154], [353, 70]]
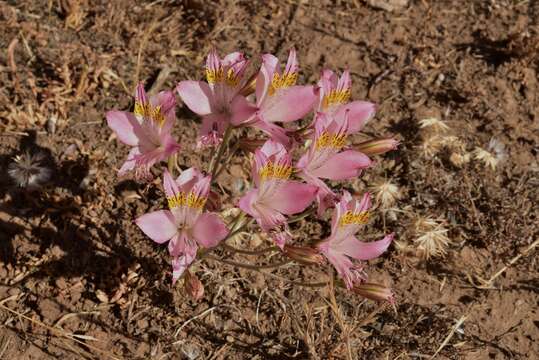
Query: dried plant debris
[[434, 123], [493, 155], [386, 193], [430, 237], [30, 170]]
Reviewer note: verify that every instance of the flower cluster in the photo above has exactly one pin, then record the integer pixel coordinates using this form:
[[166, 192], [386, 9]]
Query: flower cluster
[[306, 130]]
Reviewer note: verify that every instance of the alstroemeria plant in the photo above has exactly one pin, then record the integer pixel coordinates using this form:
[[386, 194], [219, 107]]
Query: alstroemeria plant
[[280, 193], [275, 195], [327, 158], [184, 225], [334, 100], [279, 98], [218, 100], [342, 246], [147, 129]]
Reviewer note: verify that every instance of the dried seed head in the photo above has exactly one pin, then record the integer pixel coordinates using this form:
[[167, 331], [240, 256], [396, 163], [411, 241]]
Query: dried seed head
[[431, 237], [431, 145], [30, 170], [459, 159], [386, 193], [494, 154], [433, 123]]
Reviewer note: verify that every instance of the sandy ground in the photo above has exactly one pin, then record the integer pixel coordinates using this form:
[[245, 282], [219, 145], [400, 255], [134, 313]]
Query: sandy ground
[[79, 280]]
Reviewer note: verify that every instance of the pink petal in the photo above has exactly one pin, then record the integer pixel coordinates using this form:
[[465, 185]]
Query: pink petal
[[212, 129], [213, 62], [289, 104], [181, 263], [292, 62], [344, 165], [292, 197], [158, 225], [140, 94], [125, 125], [237, 62], [246, 202], [275, 132], [202, 187], [281, 238], [209, 230], [266, 217], [170, 186], [345, 82], [363, 250], [233, 58], [130, 163], [328, 81], [170, 145], [188, 178], [241, 110], [197, 95], [167, 101], [359, 113], [265, 76]]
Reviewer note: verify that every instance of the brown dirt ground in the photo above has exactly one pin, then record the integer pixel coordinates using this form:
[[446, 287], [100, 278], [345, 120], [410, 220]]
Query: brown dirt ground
[[72, 258]]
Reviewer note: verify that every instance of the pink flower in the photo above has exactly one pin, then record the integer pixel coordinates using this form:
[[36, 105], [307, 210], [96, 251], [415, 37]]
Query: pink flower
[[278, 97], [275, 195], [342, 246], [147, 129], [326, 160], [218, 101], [184, 224], [334, 99]]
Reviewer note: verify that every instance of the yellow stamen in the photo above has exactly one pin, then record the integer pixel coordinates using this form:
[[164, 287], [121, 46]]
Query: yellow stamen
[[336, 97], [330, 140], [358, 218], [282, 81], [232, 79], [147, 111], [215, 76], [190, 200], [271, 170]]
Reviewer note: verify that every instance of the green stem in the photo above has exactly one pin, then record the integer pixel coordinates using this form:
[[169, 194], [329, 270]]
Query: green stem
[[171, 164], [250, 252], [249, 266], [215, 161], [259, 269], [229, 157], [301, 216]]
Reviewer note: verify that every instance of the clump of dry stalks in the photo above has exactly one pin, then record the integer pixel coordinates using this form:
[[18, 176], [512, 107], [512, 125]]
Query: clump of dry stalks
[[436, 137]]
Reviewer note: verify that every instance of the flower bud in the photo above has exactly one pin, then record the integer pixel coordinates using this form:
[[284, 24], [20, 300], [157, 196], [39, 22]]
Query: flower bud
[[193, 286], [213, 203], [374, 292], [251, 145], [250, 86], [303, 254], [377, 146]]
